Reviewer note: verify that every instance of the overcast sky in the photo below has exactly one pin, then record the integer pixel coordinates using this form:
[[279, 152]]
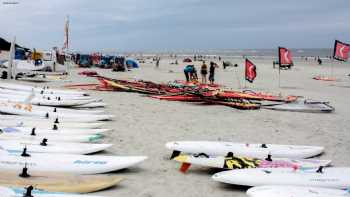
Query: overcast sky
[[130, 25]]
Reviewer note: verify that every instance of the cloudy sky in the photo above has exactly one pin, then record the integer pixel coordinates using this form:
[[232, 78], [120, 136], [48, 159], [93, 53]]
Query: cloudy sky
[[138, 25]]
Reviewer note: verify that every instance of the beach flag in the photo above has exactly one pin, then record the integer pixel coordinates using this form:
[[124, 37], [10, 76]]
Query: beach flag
[[250, 71], [284, 57], [341, 51], [66, 34]]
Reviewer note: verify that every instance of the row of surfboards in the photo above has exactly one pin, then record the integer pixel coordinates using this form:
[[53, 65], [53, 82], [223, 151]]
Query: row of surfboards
[[272, 170], [45, 136]]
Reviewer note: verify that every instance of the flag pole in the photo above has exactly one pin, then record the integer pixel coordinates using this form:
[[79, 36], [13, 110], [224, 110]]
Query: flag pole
[[245, 80], [238, 80], [279, 76], [279, 67], [332, 62]]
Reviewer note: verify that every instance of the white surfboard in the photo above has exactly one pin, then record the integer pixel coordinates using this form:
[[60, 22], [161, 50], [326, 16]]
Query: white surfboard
[[67, 163], [217, 148], [52, 137], [59, 110], [47, 102], [303, 106], [17, 146], [25, 121], [58, 131], [11, 192], [40, 90], [329, 177], [234, 162], [295, 191], [8, 92], [26, 110]]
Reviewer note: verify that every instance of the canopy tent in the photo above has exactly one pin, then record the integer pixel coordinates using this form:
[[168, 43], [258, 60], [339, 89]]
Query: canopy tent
[[5, 45]]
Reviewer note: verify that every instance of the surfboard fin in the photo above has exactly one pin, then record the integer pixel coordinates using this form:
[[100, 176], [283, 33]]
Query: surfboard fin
[[175, 154], [268, 158], [320, 169], [33, 132], [184, 167], [24, 173], [24, 153], [28, 192], [44, 142]]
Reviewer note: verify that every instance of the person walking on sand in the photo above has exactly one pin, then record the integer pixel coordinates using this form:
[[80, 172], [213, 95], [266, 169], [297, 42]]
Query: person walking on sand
[[157, 61], [212, 72], [204, 72]]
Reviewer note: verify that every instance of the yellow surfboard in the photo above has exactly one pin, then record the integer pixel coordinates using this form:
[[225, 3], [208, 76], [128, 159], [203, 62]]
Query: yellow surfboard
[[60, 182]]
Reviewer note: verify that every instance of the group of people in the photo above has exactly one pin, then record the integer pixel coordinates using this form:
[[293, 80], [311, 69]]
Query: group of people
[[191, 72]]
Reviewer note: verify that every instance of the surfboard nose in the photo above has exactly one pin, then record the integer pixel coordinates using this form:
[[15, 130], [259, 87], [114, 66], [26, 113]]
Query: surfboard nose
[[171, 145], [217, 177], [221, 176]]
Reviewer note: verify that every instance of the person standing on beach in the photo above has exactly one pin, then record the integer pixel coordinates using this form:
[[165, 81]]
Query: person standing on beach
[[212, 72], [157, 61], [204, 72]]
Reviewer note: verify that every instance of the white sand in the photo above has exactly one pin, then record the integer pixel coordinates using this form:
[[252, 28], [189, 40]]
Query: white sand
[[143, 125]]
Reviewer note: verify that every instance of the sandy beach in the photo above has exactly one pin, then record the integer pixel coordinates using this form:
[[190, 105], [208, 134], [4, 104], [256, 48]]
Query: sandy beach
[[143, 125], [43, 41]]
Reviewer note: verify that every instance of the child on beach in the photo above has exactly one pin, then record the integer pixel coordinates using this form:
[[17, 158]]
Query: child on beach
[[204, 72]]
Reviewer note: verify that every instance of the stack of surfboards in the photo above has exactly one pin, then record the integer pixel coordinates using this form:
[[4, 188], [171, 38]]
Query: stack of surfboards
[[277, 170], [45, 136], [13, 93]]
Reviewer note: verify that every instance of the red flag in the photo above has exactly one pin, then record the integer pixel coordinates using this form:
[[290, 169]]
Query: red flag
[[250, 71], [284, 56], [341, 51]]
